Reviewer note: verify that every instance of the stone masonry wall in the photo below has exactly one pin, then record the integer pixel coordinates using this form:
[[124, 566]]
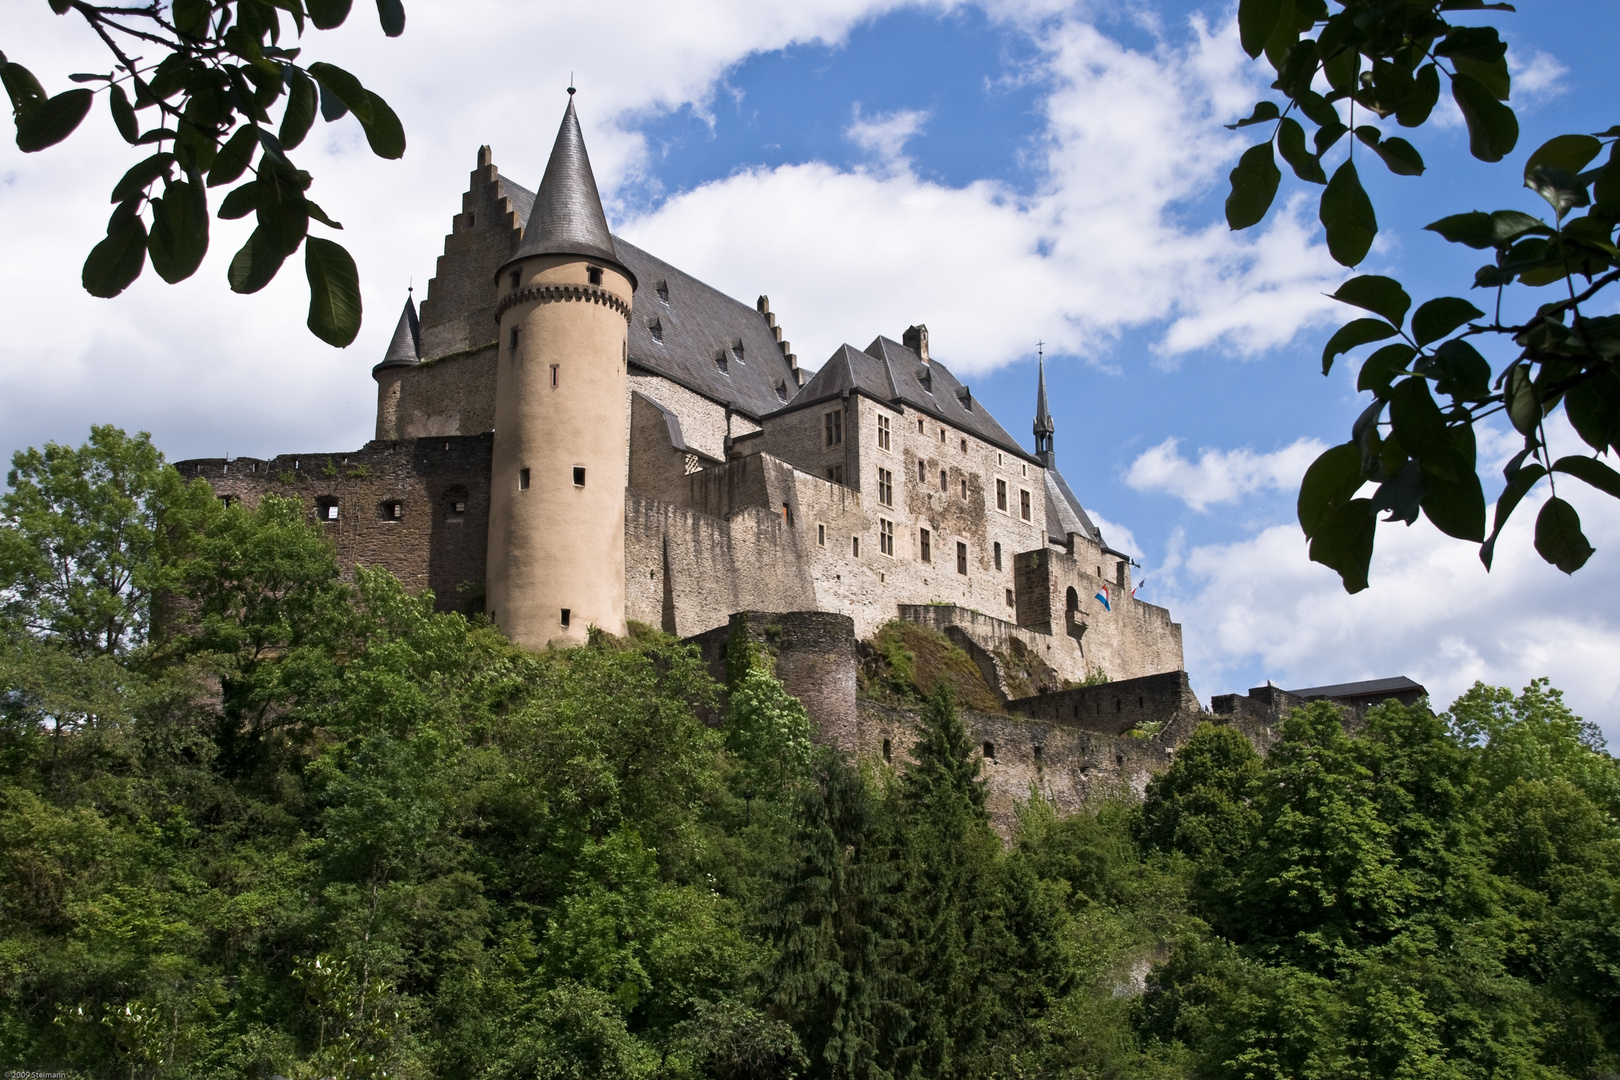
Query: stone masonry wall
[[454, 395], [430, 545], [1115, 707]]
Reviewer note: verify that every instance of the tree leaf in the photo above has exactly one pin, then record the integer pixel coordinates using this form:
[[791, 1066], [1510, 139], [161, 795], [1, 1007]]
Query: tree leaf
[[24, 90], [302, 101], [1417, 421], [1559, 538], [1344, 542], [1347, 215], [240, 202], [1519, 394], [345, 87], [1436, 318], [123, 114], [1254, 186], [1493, 130], [327, 14], [1593, 408], [117, 260], [1571, 153], [1331, 481], [1457, 507], [1561, 190], [179, 237], [1263, 111], [234, 157], [1425, 94], [1379, 295], [1291, 143], [334, 292], [1352, 334], [1383, 365], [1400, 156], [255, 264], [384, 131], [1519, 483], [1592, 471], [391, 13], [1467, 374], [53, 120], [331, 107], [140, 177], [191, 17]]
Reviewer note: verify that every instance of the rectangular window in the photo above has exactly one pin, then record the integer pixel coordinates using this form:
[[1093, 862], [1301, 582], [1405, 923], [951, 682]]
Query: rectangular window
[[996, 551], [1010, 601], [517, 278], [964, 446], [941, 434], [1023, 505], [961, 558], [833, 427], [855, 546], [579, 476], [919, 425], [1001, 495], [821, 535], [885, 487], [944, 480], [922, 471], [925, 542], [835, 473], [964, 487], [566, 616], [1025, 468], [512, 339], [523, 479], [787, 514], [883, 432], [554, 368], [593, 274], [886, 537]]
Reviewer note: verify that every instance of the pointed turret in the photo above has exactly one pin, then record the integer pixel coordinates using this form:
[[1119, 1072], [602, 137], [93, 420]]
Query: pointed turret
[[567, 218], [1043, 418], [405, 349]]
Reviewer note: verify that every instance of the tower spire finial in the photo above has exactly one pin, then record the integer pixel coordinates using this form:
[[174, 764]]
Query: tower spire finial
[[567, 218], [1043, 417]]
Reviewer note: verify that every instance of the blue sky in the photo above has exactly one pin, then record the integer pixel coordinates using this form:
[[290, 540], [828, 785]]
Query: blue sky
[[1007, 174]]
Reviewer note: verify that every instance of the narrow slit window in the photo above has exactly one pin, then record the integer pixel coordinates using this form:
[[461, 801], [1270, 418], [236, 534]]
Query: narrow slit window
[[964, 446], [821, 535], [919, 426], [925, 542], [787, 514], [888, 750], [554, 368], [593, 274], [1038, 761], [511, 341], [961, 558], [855, 546], [579, 476], [567, 617], [944, 480], [964, 487], [996, 551], [523, 479]]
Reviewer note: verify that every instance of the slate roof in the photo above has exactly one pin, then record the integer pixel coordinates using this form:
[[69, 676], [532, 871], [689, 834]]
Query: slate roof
[[1064, 514], [405, 347], [565, 217], [1391, 687], [888, 371]]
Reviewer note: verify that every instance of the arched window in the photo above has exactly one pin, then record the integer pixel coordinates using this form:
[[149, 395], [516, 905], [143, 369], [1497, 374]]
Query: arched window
[[1071, 601]]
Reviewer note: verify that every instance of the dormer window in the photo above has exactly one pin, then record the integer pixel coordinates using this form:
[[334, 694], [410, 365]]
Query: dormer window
[[593, 274], [737, 349], [720, 360], [662, 288], [781, 391], [925, 375], [657, 329]]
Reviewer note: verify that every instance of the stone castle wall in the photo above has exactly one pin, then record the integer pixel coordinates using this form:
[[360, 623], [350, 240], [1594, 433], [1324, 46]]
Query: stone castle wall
[[431, 544]]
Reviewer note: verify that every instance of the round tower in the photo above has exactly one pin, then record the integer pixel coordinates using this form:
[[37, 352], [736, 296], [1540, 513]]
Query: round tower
[[558, 472], [404, 353]]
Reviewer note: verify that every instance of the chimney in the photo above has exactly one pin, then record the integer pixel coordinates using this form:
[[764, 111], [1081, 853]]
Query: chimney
[[916, 339]]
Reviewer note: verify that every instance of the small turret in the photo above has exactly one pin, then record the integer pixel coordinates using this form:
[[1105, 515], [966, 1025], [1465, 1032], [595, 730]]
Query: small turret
[[1043, 418], [404, 352]]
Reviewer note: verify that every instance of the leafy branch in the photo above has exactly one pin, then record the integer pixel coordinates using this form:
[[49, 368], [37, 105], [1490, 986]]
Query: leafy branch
[[1388, 57], [204, 108]]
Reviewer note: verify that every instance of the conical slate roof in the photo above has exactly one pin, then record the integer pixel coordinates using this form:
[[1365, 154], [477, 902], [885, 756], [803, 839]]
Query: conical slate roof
[[567, 218], [405, 348]]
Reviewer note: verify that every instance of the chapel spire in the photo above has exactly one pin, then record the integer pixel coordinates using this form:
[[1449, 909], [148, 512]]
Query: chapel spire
[[1043, 418], [567, 218]]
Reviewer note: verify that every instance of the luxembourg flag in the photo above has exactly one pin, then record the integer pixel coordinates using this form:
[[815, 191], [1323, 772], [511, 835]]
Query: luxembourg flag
[[1103, 596]]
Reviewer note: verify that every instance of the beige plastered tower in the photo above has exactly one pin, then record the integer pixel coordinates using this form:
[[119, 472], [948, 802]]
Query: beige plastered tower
[[558, 474]]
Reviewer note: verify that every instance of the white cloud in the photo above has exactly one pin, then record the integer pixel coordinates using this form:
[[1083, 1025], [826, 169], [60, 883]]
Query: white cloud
[[884, 135], [1131, 137], [1258, 608], [1537, 77], [1220, 476]]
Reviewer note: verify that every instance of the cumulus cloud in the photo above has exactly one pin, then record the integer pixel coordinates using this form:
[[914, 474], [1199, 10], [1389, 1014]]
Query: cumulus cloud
[[1258, 608], [884, 135], [1130, 138], [1220, 476]]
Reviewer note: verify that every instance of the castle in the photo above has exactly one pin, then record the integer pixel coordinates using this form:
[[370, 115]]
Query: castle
[[573, 433]]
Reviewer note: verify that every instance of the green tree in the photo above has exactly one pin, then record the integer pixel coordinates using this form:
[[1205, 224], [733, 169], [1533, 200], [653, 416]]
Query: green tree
[[199, 90], [1379, 62]]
